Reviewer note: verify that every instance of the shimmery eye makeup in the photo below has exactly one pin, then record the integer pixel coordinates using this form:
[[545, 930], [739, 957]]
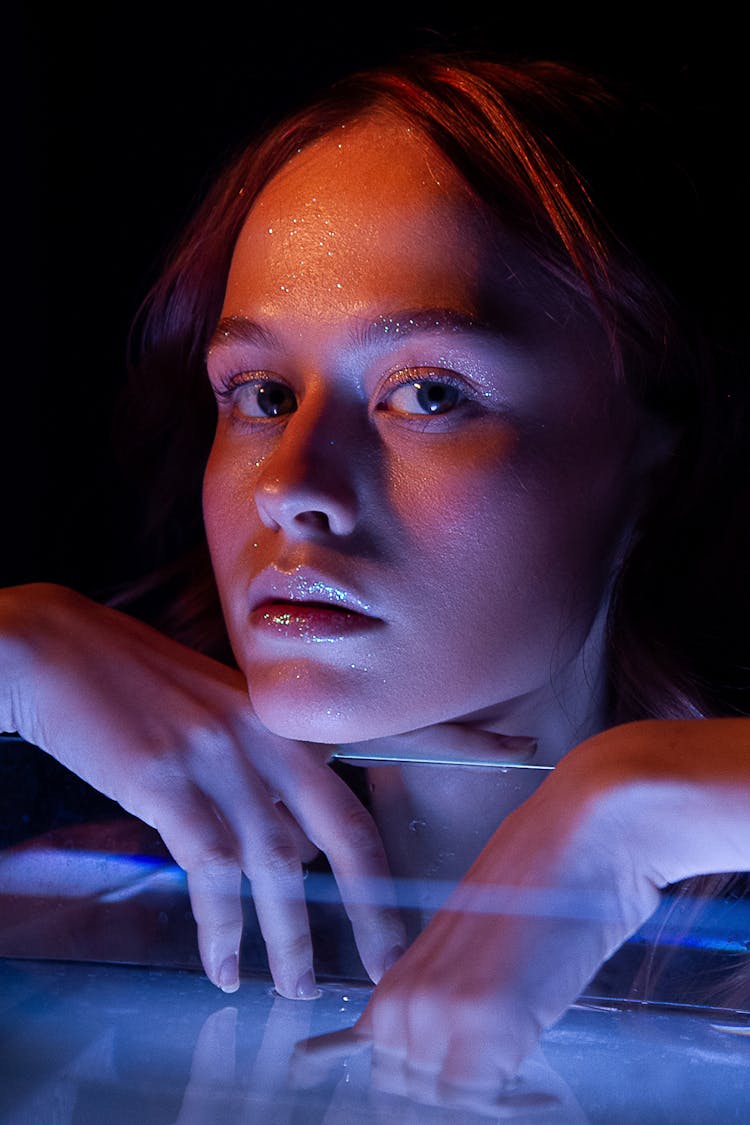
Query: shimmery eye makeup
[[423, 392], [254, 399]]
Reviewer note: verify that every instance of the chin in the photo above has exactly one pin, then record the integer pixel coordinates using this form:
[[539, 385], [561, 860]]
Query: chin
[[311, 720], [325, 707]]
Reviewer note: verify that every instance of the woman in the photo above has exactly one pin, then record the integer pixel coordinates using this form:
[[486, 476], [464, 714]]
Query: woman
[[455, 409]]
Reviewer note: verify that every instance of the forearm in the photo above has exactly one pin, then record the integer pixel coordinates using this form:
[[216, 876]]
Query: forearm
[[674, 795]]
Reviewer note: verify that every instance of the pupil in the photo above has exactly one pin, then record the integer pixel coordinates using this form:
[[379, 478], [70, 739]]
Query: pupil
[[272, 400], [436, 398]]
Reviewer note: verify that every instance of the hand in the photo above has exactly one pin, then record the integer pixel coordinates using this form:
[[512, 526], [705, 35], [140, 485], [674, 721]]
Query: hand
[[343, 1057], [562, 883], [170, 735]]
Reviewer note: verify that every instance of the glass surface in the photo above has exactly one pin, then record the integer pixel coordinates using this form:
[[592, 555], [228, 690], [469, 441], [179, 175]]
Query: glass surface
[[104, 1002], [83, 1044]]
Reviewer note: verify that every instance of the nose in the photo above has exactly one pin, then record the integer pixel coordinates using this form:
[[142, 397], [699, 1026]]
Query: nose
[[307, 484]]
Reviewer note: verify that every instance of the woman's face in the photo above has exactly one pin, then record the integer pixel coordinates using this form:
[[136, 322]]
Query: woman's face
[[422, 467]]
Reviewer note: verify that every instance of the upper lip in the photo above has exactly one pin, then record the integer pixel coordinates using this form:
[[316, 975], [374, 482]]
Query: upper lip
[[306, 586]]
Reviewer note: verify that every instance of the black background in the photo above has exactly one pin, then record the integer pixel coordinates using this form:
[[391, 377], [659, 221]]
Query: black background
[[115, 121]]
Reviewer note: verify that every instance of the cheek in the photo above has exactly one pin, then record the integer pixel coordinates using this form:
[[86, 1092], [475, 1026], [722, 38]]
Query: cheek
[[508, 530], [455, 487], [478, 526], [228, 508]]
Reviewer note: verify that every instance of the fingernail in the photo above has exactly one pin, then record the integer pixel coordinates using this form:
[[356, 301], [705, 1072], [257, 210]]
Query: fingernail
[[229, 974], [392, 957], [307, 989]]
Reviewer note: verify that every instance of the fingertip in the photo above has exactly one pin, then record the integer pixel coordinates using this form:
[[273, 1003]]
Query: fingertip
[[377, 965], [229, 974], [307, 988]]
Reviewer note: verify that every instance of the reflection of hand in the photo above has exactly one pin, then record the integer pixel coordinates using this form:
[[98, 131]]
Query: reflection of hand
[[537, 1093], [171, 736], [220, 1090], [210, 1094], [562, 883]]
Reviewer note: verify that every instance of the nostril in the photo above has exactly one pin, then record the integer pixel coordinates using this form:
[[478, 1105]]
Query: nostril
[[314, 519]]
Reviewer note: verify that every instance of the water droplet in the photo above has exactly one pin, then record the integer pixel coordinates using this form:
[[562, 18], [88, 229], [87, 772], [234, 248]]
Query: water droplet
[[417, 825]]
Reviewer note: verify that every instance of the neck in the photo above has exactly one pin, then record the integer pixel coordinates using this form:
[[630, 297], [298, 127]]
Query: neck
[[437, 818], [571, 707]]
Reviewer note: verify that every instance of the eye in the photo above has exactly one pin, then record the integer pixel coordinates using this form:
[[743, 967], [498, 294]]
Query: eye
[[423, 396], [263, 399]]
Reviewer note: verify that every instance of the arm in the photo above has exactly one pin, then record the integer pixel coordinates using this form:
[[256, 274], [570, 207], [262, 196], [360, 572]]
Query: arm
[[561, 884], [171, 736]]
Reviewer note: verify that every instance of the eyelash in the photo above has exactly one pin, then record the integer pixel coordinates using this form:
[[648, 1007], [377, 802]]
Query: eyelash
[[408, 376], [404, 377]]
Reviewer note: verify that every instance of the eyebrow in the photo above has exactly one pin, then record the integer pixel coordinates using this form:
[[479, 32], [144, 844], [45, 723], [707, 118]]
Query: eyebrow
[[394, 325]]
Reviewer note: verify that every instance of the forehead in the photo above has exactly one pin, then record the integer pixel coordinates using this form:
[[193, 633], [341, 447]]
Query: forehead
[[367, 211], [374, 217]]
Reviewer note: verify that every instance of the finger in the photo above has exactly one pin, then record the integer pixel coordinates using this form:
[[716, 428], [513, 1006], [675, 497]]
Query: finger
[[214, 888], [305, 848], [339, 825], [270, 859], [201, 844], [386, 1019], [313, 1059], [279, 898]]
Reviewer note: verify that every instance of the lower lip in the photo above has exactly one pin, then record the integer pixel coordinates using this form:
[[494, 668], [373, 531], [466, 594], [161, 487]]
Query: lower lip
[[296, 620]]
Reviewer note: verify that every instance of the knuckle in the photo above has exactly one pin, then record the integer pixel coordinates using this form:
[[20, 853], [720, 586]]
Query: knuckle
[[359, 835], [209, 860], [358, 831], [277, 855]]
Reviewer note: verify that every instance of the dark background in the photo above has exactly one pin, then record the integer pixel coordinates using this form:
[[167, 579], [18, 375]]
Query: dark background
[[116, 121]]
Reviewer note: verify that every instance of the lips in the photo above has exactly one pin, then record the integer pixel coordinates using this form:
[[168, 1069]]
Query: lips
[[307, 605]]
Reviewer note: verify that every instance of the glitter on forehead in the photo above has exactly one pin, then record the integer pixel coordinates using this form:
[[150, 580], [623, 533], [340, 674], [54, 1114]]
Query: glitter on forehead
[[392, 324]]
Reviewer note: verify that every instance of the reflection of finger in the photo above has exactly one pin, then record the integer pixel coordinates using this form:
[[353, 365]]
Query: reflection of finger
[[333, 1046], [480, 1055], [214, 1054], [313, 1059], [286, 1023], [393, 1075], [212, 1070]]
